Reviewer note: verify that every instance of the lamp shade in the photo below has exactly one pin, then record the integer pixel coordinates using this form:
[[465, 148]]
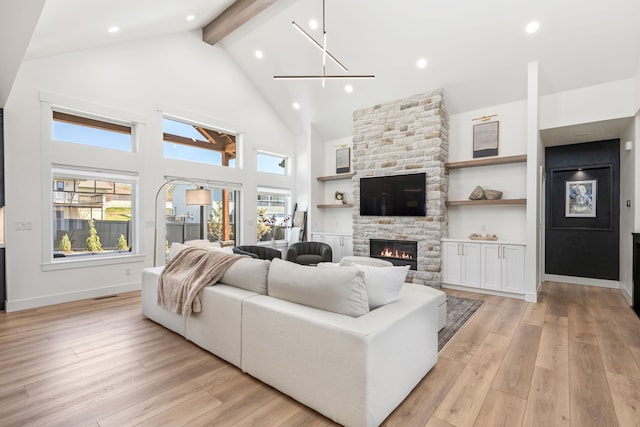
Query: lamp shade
[[198, 197]]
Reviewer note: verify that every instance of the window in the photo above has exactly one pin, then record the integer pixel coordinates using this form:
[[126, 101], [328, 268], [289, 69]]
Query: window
[[273, 213], [183, 222], [195, 143], [92, 213], [90, 131], [272, 164]]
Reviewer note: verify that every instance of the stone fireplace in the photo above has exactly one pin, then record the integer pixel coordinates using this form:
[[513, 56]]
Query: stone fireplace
[[406, 136]]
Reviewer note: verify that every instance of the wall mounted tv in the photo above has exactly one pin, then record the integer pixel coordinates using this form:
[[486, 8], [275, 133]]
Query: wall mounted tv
[[394, 195]]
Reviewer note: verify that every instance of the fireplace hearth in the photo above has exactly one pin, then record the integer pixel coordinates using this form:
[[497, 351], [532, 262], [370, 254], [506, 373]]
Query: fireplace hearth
[[398, 252]]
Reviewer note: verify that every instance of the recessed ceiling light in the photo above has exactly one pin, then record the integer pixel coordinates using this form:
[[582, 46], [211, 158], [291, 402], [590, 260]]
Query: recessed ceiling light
[[348, 88], [313, 24], [113, 29], [259, 54], [296, 106], [532, 27], [191, 17], [422, 63]]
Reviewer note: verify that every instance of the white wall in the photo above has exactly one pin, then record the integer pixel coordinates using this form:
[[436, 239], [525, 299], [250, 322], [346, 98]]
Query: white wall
[[335, 220], [606, 101], [627, 174], [176, 74], [506, 221], [315, 169]]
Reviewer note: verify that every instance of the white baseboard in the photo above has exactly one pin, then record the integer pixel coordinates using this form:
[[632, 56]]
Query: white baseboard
[[25, 304], [627, 295], [482, 291], [586, 281]]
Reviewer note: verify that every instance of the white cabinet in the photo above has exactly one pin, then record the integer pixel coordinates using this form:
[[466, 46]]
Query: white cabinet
[[485, 265], [503, 268], [341, 244], [461, 263]]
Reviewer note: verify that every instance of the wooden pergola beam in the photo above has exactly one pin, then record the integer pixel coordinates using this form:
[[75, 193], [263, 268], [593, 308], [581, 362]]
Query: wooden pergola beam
[[240, 12], [225, 149]]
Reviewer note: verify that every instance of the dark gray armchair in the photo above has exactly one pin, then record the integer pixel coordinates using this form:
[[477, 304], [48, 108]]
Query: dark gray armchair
[[309, 253], [261, 252]]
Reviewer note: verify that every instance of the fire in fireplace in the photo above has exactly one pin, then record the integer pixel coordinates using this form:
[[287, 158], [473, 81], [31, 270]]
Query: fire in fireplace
[[398, 252], [391, 253]]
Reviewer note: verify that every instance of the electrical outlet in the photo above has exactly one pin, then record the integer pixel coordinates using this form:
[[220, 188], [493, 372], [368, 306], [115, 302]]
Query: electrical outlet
[[23, 225], [127, 272]]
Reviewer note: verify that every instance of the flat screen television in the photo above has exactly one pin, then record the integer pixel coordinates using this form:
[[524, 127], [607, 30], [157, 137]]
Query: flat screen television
[[394, 195]]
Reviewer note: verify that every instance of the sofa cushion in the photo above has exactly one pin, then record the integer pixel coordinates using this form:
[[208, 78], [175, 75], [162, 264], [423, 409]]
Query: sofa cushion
[[364, 260], [383, 283], [176, 247], [339, 290], [249, 274]]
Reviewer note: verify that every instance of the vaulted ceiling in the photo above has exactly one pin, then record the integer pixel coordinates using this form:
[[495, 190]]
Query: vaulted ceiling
[[476, 51]]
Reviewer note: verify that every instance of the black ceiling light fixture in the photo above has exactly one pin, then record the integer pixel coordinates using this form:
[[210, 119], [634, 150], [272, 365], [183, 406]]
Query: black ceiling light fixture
[[325, 54]]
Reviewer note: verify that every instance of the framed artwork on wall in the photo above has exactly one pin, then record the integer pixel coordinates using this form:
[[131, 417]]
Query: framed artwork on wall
[[580, 198], [485, 139], [343, 160]]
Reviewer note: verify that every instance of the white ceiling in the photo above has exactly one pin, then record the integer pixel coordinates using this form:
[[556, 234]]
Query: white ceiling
[[477, 51]]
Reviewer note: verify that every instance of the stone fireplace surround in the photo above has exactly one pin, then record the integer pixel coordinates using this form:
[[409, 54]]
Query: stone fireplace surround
[[409, 135]]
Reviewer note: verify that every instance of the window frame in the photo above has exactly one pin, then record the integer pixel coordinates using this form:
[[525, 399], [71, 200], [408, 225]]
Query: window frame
[[211, 186], [79, 173], [94, 121], [286, 159], [287, 193], [206, 144]]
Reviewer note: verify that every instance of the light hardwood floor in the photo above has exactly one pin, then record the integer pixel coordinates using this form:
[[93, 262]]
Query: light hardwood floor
[[573, 359]]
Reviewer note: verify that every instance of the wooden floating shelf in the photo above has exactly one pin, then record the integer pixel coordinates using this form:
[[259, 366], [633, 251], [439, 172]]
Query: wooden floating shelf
[[336, 177], [337, 205], [487, 162], [486, 202]]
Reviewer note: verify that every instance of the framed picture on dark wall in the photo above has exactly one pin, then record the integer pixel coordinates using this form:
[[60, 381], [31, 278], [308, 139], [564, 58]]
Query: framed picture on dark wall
[[485, 139], [580, 198]]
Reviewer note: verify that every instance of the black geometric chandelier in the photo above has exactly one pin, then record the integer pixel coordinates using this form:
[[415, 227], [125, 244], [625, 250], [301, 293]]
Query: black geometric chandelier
[[325, 54]]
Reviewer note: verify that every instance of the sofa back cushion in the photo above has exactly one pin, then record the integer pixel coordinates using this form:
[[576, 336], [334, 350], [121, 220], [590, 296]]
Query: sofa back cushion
[[249, 274], [339, 290]]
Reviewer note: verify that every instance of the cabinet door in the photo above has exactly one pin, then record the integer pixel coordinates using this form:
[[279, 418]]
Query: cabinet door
[[513, 269], [337, 247], [315, 237], [491, 267], [451, 263], [471, 265], [346, 244]]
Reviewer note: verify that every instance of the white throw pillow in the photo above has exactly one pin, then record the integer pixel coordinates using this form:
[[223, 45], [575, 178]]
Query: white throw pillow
[[176, 247], [383, 283], [203, 243], [248, 273], [364, 260], [227, 250], [336, 289]]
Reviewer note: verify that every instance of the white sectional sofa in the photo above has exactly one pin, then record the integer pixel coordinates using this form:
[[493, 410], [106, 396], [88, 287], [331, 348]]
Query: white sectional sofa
[[353, 368]]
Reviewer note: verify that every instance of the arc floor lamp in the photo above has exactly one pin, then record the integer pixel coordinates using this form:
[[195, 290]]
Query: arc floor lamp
[[198, 196]]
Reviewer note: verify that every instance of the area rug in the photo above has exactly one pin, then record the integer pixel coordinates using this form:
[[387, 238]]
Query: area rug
[[459, 311]]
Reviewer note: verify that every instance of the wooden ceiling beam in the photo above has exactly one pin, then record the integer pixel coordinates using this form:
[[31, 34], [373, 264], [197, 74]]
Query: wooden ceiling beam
[[240, 12]]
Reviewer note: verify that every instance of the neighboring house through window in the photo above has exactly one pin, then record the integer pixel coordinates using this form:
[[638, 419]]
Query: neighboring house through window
[[92, 213]]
